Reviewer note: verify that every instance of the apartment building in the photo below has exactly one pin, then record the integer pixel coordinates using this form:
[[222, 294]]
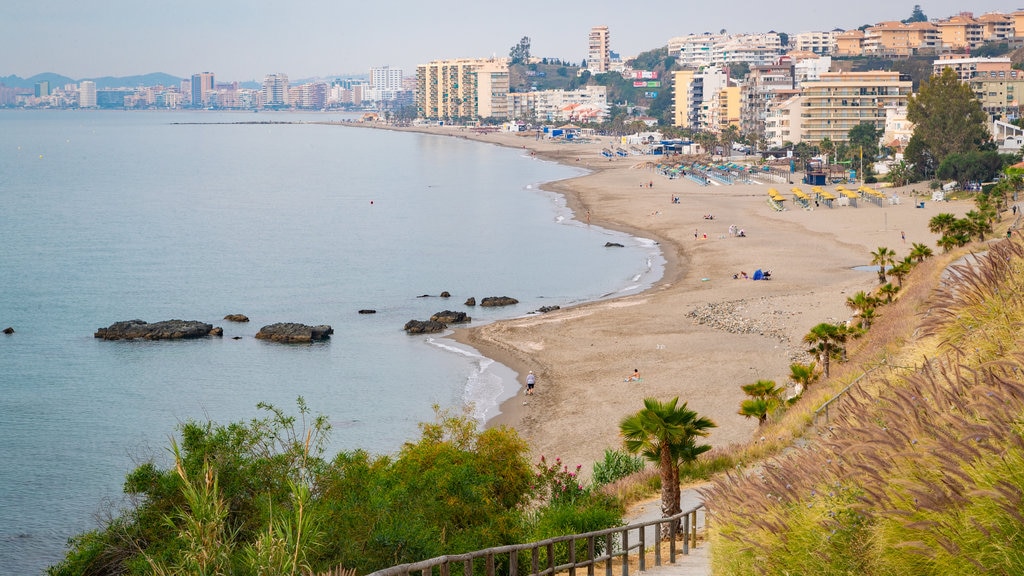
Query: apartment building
[[764, 87], [587, 104], [695, 95], [850, 43], [838, 101], [87, 94], [784, 123], [468, 89], [599, 50], [899, 39], [754, 49], [968, 68], [202, 87], [961, 32], [820, 43], [695, 50], [275, 91], [997, 26], [727, 112]]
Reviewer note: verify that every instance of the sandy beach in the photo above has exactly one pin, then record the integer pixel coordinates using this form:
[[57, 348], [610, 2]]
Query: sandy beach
[[697, 334]]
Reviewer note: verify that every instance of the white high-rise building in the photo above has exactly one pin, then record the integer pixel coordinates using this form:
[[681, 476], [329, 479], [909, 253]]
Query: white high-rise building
[[386, 78], [275, 90], [87, 94]]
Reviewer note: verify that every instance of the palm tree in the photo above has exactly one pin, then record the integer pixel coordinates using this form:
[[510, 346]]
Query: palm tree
[[920, 252], [667, 435], [981, 223], [864, 307], [883, 257], [900, 271], [941, 223], [803, 375], [765, 398], [888, 291], [825, 339]]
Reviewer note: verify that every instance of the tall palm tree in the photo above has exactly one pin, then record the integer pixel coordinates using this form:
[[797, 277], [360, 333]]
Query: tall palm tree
[[765, 398], [883, 257], [920, 252], [981, 223], [666, 434], [825, 339]]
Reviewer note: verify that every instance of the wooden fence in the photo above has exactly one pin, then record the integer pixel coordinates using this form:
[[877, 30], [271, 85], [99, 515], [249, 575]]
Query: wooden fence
[[609, 547]]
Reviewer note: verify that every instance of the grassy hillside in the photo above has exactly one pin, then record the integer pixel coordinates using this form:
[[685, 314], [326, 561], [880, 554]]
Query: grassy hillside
[[919, 468]]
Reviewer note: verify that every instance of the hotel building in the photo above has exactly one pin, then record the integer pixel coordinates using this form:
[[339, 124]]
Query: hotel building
[[467, 89], [838, 101], [202, 87]]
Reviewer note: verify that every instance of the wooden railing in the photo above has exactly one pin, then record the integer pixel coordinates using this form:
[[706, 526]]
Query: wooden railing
[[568, 553]]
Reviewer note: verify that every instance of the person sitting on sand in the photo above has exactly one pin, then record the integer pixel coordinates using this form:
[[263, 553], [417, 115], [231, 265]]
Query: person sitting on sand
[[635, 377]]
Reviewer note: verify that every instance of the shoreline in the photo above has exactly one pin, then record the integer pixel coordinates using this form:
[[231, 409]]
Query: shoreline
[[696, 333]]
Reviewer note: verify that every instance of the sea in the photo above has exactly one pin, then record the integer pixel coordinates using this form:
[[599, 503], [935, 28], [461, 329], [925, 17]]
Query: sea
[[283, 217]]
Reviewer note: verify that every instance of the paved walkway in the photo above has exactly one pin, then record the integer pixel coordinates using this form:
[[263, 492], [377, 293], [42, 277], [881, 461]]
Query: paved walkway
[[698, 561]]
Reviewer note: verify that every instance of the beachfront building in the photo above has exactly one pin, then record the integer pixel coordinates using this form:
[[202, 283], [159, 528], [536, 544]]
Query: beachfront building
[[599, 50], [695, 93], [275, 91], [838, 101], [898, 129], [764, 87], [386, 84], [465, 89], [727, 112], [87, 94], [586, 104], [820, 43], [784, 124], [994, 82], [202, 87]]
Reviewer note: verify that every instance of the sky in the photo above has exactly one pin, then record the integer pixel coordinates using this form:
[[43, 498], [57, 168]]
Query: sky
[[246, 40]]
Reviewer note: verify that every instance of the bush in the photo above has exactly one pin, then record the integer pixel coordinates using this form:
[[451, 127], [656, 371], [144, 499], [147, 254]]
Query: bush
[[616, 465]]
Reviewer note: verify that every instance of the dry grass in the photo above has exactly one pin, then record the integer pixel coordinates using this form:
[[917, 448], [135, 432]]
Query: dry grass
[[921, 468]]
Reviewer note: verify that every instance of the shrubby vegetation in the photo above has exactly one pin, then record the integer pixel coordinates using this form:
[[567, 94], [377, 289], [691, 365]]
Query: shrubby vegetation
[[260, 497]]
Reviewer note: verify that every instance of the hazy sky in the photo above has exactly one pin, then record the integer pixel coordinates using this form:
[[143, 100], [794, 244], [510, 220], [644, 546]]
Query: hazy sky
[[245, 40]]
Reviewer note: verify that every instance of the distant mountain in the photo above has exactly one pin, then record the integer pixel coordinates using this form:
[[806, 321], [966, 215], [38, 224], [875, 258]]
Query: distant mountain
[[55, 80]]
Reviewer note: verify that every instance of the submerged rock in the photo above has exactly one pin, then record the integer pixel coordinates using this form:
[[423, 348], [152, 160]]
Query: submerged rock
[[166, 330], [471, 301], [367, 311], [236, 318], [291, 332], [8, 330]]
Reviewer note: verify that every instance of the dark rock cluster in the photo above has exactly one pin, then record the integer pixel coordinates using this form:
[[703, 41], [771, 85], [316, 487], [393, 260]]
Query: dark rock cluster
[[421, 327], [294, 333], [166, 330], [450, 317], [498, 301]]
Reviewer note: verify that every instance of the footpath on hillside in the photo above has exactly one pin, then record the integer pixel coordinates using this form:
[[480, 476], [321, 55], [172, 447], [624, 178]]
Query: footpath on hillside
[[698, 561]]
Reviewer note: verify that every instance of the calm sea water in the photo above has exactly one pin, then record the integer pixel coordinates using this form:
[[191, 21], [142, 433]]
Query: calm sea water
[[110, 216]]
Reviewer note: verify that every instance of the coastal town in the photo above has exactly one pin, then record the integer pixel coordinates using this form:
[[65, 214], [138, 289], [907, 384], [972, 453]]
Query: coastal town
[[767, 89], [825, 376]]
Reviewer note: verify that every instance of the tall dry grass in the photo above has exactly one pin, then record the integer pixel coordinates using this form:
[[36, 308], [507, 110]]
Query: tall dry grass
[[921, 468]]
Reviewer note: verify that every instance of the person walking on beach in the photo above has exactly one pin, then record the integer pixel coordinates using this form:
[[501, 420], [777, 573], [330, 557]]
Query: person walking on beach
[[531, 380]]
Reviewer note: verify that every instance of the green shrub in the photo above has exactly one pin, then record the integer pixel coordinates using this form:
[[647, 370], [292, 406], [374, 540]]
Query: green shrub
[[617, 464]]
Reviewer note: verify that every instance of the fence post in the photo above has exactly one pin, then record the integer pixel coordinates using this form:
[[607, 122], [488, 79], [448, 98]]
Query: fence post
[[625, 552], [467, 567], [490, 565], [572, 557], [591, 552], [536, 560], [513, 563], [608, 554], [657, 544], [551, 558], [686, 534], [693, 527], [673, 528], [642, 536]]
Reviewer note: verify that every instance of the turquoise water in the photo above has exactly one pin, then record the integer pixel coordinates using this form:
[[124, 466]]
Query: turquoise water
[[110, 216]]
